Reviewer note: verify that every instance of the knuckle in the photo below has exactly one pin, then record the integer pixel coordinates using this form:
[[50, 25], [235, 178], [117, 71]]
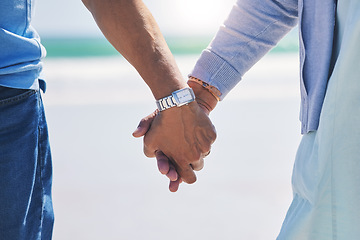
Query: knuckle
[[194, 155], [149, 150], [148, 154], [181, 160], [205, 147], [198, 165], [149, 140], [199, 168], [213, 134]]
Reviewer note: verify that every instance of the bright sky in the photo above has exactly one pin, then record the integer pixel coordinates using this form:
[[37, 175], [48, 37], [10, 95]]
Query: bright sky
[[175, 17]]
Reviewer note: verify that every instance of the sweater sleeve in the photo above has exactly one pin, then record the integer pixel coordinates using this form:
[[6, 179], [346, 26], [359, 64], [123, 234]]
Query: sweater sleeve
[[252, 28]]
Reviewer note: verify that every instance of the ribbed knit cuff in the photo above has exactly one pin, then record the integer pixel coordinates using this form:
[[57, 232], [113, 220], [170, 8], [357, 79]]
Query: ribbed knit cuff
[[215, 71]]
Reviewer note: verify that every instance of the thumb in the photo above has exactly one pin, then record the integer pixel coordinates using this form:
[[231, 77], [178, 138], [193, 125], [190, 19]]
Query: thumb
[[144, 125]]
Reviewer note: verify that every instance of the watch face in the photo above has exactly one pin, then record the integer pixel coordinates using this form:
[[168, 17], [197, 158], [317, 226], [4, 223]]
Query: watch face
[[184, 96]]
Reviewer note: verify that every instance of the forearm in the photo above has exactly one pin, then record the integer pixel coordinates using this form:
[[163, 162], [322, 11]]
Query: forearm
[[251, 30], [131, 29]]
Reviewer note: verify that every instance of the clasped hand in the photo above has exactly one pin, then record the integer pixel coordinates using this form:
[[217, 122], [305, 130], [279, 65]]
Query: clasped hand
[[179, 138]]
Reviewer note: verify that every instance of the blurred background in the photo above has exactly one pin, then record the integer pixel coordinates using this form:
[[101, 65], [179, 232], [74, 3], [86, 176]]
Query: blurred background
[[105, 188]]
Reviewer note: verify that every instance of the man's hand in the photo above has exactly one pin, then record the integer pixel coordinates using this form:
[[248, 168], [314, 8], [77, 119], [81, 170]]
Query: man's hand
[[164, 165], [184, 134], [207, 103]]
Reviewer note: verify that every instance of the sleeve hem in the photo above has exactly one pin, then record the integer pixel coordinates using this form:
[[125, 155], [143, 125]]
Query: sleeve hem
[[215, 71]]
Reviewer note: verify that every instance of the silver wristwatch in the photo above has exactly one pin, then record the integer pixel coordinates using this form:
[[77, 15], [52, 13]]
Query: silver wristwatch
[[176, 99]]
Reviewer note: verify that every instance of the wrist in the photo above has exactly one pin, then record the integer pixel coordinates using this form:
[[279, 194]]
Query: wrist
[[167, 89], [176, 99], [203, 96]]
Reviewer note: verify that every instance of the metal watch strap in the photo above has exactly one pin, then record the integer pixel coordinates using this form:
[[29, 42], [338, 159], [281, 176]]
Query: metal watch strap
[[176, 99], [165, 103]]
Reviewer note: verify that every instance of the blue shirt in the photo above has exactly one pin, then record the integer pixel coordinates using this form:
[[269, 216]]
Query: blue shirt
[[20, 48], [254, 27]]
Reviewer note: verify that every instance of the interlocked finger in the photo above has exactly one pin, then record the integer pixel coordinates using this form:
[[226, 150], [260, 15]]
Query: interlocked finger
[[198, 165]]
